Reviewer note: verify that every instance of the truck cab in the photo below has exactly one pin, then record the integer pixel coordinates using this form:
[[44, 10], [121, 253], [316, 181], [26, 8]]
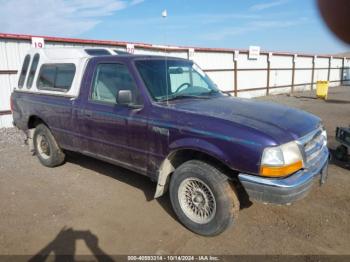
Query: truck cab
[[164, 118]]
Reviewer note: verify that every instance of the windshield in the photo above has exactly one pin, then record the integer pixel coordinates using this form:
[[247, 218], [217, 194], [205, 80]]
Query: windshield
[[167, 79]]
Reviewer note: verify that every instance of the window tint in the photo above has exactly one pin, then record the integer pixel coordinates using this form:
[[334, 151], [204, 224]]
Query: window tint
[[56, 76], [109, 79], [24, 70], [47, 76], [32, 70], [64, 76], [97, 52]]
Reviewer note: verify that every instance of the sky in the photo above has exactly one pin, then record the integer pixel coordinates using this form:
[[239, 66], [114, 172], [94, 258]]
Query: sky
[[274, 25]]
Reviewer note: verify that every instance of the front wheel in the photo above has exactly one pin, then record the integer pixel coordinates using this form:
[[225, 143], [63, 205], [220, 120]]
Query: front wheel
[[46, 147], [203, 198]]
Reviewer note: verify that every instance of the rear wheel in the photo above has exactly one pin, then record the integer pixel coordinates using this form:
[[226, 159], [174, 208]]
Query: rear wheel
[[46, 147], [203, 198]]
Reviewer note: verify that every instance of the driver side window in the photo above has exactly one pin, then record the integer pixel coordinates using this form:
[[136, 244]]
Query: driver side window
[[109, 79]]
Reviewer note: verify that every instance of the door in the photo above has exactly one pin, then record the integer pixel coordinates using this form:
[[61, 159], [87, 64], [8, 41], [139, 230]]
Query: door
[[116, 133]]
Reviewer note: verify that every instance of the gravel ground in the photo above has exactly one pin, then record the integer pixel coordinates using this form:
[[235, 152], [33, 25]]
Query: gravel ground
[[11, 136], [89, 207]]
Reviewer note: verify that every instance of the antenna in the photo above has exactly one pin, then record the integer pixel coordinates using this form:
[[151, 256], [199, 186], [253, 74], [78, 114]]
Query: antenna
[[164, 15]]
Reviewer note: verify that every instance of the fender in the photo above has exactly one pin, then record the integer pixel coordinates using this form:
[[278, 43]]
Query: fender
[[195, 144]]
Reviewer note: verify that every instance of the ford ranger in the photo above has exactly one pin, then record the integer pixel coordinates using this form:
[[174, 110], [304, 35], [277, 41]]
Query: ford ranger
[[164, 118]]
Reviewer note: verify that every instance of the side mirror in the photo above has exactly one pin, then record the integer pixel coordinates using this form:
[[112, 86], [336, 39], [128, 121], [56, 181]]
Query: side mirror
[[124, 97]]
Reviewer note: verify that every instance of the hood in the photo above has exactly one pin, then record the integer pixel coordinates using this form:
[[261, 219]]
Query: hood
[[281, 123]]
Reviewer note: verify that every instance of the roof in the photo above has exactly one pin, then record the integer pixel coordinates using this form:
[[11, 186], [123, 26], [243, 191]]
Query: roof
[[59, 53], [62, 53], [144, 57], [149, 46]]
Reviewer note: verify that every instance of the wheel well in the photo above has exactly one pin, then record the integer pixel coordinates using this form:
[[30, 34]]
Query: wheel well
[[179, 157], [34, 121]]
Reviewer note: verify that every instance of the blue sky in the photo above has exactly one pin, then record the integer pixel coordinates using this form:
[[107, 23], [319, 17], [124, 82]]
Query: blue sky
[[276, 25]]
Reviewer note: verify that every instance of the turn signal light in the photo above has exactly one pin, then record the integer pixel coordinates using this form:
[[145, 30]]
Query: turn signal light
[[280, 171]]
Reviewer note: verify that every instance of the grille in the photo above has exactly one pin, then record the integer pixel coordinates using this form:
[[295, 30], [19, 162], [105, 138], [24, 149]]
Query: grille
[[312, 145]]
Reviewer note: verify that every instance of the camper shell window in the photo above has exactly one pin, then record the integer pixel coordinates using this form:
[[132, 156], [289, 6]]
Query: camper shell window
[[58, 77]]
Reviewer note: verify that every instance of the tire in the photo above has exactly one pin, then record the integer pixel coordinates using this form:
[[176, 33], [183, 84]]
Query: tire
[[46, 147], [205, 186]]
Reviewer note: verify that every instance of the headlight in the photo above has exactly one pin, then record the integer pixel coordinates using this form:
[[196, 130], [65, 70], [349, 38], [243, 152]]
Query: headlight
[[281, 160]]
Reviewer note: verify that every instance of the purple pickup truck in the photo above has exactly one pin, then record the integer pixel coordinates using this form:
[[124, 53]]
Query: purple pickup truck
[[164, 118]]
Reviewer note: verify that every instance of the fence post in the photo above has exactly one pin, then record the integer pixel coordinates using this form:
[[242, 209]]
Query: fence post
[[313, 72], [235, 76], [269, 56], [329, 68], [342, 71], [293, 72]]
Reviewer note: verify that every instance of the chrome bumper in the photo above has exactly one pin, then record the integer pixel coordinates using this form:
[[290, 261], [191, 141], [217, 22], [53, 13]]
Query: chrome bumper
[[289, 189]]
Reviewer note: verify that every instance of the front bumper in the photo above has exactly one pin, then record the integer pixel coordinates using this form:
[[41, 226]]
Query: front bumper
[[289, 189]]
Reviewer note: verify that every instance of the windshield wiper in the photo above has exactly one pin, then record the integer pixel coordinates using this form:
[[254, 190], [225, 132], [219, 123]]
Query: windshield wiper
[[175, 97], [211, 92]]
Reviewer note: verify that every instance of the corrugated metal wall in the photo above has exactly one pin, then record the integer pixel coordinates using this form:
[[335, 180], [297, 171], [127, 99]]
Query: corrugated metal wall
[[271, 73]]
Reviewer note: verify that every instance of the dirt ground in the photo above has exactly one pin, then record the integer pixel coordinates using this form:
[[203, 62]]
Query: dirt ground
[[87, 206]]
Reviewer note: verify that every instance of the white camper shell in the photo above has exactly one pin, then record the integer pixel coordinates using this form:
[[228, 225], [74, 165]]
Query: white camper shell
[[55, 71]]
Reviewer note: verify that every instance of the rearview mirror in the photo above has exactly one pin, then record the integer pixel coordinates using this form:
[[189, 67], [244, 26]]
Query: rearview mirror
[[176, 70]]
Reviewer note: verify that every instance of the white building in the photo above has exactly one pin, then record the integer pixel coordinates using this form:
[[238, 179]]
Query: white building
[[244, 73]]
